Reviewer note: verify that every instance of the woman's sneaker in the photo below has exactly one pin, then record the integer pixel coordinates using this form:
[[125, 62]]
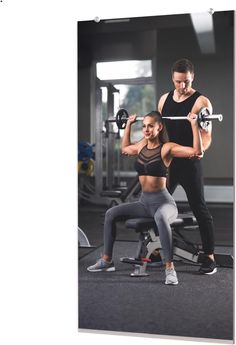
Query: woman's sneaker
[[208, 266], [102, 265], [171, 277]]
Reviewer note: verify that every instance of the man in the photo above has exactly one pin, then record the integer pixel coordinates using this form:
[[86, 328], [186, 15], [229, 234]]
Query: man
[[188, 172]]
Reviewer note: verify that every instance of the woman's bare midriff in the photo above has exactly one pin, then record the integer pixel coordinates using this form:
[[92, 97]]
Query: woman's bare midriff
[[152, 183]]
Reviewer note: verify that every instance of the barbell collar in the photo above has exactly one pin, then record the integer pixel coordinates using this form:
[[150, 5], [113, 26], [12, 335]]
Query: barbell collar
[[111, 120], [218, 117]]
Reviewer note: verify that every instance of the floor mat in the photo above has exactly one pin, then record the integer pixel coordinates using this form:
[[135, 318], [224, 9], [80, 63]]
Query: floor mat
[[199, 306]]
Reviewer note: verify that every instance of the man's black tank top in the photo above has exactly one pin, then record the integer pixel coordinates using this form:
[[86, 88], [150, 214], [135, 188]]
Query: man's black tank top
[[179, 132]]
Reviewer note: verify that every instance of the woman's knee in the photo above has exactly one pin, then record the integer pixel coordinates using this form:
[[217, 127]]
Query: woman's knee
[[110, 213], [160, 219], [158, 216], [114, 212], [166, 215]]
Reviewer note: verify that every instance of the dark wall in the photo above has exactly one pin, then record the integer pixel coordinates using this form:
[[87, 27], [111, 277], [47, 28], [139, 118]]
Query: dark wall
[[214, 77]]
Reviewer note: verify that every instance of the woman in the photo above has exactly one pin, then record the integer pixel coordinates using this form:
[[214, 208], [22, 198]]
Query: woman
[[154, 155]]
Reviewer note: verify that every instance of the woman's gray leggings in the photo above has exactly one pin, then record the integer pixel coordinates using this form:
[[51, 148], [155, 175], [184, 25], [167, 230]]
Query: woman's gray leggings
[[159, 205]]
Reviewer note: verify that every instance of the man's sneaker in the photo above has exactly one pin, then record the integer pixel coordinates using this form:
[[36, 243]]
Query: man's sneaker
[[208, 266], [171, 277], [102, 265]]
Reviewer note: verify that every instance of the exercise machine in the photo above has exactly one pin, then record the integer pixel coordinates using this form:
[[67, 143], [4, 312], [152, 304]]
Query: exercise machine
[[149, 242], [83, 239]]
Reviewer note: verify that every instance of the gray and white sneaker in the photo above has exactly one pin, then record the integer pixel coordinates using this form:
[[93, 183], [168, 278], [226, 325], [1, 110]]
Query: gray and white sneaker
[[102, 265], [171, 277]]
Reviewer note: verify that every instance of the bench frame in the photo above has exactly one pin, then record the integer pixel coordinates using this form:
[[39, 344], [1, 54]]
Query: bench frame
[[149, 241]]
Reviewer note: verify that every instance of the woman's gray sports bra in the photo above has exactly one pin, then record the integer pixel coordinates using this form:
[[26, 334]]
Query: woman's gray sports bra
[[150, 163]]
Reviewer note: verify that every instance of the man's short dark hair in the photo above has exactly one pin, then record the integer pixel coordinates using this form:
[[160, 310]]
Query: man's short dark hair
[[183, 66]]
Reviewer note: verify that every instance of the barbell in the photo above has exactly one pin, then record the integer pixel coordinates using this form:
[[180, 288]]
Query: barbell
[[204, 118]]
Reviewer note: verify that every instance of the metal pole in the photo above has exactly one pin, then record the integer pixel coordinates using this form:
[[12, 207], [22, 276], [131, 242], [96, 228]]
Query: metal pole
[[110, 140], [98, 146]]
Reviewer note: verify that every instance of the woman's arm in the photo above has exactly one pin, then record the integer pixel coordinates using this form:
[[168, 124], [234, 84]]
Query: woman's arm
[[127, 147], [174, 150]]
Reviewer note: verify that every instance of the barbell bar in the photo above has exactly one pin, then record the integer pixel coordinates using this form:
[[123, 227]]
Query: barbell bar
[[204, 118], [212, 117]]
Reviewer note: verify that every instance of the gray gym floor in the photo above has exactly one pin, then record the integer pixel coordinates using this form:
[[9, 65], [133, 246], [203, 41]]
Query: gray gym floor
[[200, 306]]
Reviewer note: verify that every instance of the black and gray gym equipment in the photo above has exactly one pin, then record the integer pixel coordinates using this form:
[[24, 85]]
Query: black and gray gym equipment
[[183, 248]]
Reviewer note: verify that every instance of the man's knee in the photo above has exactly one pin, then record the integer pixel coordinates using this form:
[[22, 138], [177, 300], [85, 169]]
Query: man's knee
[[201, 212]]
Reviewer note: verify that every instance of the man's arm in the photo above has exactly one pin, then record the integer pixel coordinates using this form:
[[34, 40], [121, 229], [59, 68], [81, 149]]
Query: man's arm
[[161, 102], [201, 102], [204, 102]]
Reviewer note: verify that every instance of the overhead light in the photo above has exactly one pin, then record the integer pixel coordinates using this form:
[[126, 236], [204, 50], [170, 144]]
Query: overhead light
[[113, 21], [204, 29]]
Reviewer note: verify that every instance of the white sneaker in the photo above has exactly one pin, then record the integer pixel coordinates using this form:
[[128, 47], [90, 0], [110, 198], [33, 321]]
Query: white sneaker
[[171, 277], [102, 265]]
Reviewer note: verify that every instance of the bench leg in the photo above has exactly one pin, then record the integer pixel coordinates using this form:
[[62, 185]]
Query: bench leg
[[153, 244], [140, 271]]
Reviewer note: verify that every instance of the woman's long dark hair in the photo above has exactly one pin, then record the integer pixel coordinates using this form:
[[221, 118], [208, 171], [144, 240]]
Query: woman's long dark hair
[[163, 135]]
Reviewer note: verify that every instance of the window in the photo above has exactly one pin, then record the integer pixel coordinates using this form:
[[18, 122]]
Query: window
[[124, 69], [133, 89]]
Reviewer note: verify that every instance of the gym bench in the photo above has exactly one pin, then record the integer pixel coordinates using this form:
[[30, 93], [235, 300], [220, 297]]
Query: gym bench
[[149, 241], [117, 197]]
